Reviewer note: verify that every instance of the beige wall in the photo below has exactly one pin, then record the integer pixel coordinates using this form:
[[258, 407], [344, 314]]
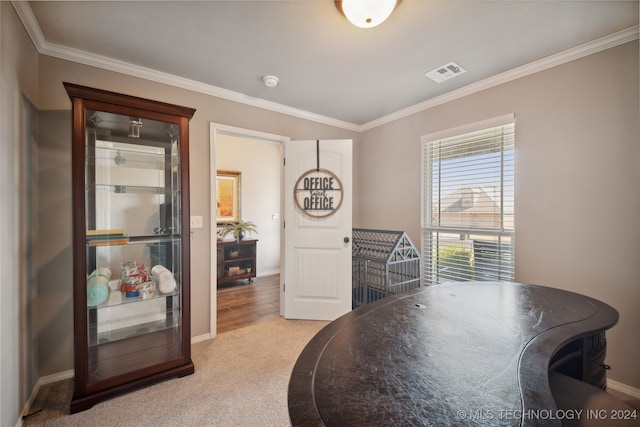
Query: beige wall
[[577, 181], [19, 94]]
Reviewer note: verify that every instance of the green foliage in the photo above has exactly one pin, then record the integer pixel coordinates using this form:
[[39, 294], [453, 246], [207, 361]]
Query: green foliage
[[239, 229], [455, 261]]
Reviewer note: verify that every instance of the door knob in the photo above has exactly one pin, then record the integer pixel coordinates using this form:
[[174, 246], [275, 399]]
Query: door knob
[[346, 240]]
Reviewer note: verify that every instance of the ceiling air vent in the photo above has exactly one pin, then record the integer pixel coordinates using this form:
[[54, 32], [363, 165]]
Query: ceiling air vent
[[445, 72]]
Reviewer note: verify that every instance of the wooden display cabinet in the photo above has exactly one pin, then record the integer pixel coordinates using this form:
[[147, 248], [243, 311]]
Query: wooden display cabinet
[[131, 284], [236, 260]]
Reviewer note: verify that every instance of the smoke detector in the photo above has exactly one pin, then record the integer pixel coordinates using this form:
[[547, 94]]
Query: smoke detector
[[270, 81], [445, 72]]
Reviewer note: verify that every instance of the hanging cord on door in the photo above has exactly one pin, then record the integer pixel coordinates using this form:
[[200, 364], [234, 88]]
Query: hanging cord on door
[[317, 155]]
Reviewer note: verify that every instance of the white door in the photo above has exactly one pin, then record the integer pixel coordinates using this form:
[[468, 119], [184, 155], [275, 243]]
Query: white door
[[317, 233]]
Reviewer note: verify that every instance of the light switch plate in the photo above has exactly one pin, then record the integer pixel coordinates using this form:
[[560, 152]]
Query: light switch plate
[[196, 222]]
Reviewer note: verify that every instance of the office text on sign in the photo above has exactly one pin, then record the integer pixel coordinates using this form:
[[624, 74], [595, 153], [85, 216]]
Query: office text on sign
[[318, 193]]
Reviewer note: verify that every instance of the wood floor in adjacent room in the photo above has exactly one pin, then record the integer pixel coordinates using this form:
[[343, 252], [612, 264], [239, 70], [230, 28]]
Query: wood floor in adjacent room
[[242, 304]]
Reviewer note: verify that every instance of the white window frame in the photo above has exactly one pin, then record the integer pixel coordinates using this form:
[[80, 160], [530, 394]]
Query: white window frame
[[428, 228]]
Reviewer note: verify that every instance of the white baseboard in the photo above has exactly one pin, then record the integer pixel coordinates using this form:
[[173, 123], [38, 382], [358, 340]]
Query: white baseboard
[[200, 338], [269, 273], [42, 381], [57, 377], [623, 388]]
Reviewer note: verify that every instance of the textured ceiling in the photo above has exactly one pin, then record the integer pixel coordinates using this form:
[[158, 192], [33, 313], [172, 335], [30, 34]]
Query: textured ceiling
[[325, 65]]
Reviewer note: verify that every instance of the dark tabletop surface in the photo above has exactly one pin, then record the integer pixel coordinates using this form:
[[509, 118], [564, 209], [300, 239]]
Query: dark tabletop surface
[[473, 353]]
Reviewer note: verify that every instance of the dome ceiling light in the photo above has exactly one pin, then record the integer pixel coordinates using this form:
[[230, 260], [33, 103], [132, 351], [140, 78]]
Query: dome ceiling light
[[366, 13]]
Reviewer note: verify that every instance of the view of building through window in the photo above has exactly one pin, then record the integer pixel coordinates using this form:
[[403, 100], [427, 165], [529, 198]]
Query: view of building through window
[[468, 200]]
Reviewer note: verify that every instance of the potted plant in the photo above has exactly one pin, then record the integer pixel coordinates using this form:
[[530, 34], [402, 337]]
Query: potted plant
[[239, 229]]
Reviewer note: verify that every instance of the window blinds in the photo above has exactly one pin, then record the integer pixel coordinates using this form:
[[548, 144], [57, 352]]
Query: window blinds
[[468, 214]]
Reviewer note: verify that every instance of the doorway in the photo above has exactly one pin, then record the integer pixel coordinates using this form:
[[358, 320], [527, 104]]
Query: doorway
[[258, 158]]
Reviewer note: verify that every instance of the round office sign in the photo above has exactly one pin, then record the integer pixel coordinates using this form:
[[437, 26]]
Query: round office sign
[[318, 193]]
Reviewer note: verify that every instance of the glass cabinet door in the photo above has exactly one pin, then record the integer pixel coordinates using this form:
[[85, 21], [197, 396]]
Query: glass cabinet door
[[131, 247], [133, 237]]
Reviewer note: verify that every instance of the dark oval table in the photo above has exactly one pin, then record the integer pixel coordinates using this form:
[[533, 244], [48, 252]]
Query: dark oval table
[[472, 353]]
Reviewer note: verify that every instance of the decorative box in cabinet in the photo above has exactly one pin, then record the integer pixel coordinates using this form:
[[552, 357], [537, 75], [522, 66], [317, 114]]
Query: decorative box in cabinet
[[131, 285], [236, 260]]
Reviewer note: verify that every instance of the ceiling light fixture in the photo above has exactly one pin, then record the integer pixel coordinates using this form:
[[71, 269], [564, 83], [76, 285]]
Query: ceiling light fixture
[[270, 81], [366, 13]]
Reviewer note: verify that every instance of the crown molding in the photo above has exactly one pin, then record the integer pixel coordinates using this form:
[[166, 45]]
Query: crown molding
[[25, 13], [30, 23], [589, 48], [23, 9], [118, 66]]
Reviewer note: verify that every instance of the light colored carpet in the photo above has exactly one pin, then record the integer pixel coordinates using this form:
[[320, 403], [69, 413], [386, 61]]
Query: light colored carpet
[[241, 379]]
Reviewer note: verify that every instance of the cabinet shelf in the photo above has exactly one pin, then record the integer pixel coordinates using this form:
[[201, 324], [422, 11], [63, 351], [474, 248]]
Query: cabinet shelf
[[236, 260], [130, 155], [230, 261], [130, 189], [116, 298], [130, 159], [116, 358], [126, 333], [137, 240]]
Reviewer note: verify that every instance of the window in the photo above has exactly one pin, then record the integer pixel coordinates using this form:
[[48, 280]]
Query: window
[[468, 203]]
